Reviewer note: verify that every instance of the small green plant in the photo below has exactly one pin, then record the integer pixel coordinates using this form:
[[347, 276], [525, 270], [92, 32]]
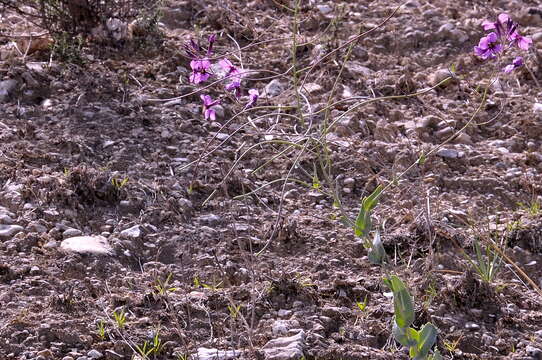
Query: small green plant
[[419, 343], [430, 294], [120, 318], [181, 356], [198, 284], [234, 310], [486, 265], [100, 329], [451, 346], [363, 224], [147, 348], [362, 305], [68, 48], [144, 350], [162, 287], [119, 184], [533, 208]]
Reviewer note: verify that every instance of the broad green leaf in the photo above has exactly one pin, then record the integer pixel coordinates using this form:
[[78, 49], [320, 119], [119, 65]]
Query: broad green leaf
[[401, 337], [402, 302], [427, 338], [362, 225], [377, 254], [436, 356]]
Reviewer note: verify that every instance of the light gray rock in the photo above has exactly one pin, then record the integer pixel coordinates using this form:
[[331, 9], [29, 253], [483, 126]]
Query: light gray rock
[[285, 348], [94, 354], [274, 88], [215, 354], [8, 231], [448, 153], [68, 233], [7, 88], [96, 245], [131, 233], [533, 352], [472, 326], [210, 219], [6, 219], [324, 9], [354, 69], [537, 108]]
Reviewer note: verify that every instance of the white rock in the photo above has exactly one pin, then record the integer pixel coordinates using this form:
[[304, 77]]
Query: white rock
[[94, 354], [537, 107], [285, 348], [131, 233], [215, 354], [448, 153], [324, 9], [274, 88], [97, 245], [68, 233]]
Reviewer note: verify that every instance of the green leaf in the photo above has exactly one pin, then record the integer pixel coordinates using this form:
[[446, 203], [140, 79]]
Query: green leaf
[[362, 225], [426, 340], [377, 254], [436, 356], [402, 302], [400, 336]]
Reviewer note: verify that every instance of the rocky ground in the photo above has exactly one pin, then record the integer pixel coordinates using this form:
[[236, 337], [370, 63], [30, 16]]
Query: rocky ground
[[120, 216]]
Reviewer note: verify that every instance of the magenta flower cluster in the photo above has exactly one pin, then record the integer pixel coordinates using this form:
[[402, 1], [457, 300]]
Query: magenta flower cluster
[[201, 72], [504, 36]]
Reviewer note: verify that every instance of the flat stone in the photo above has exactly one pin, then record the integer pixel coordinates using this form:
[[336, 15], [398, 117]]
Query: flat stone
[[96, 245], [68, 233], [448, 153], [285, 348], [215, 354], [8, 231], [6, 219], [324, 9], [94, 354], [274, 88]]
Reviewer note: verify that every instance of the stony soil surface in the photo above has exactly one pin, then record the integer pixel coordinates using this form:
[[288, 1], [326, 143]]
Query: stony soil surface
[[86, 150]]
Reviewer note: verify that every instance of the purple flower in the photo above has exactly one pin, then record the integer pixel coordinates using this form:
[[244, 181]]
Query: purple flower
[[520, 41], [228, 67], [235, 74], [503, 26], [235, 85], [208, 103], [200, 69], [253, 96], [518, 61], [488, 47], [192, 48]]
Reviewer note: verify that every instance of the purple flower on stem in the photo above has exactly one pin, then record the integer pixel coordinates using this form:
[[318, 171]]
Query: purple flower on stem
[[503, 26], [488, 47], [200, 69], [518, 61], [235, 85], [208, 103], [235, 74], [192, 48], [520, 41], [228, 67], [253, 96]]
